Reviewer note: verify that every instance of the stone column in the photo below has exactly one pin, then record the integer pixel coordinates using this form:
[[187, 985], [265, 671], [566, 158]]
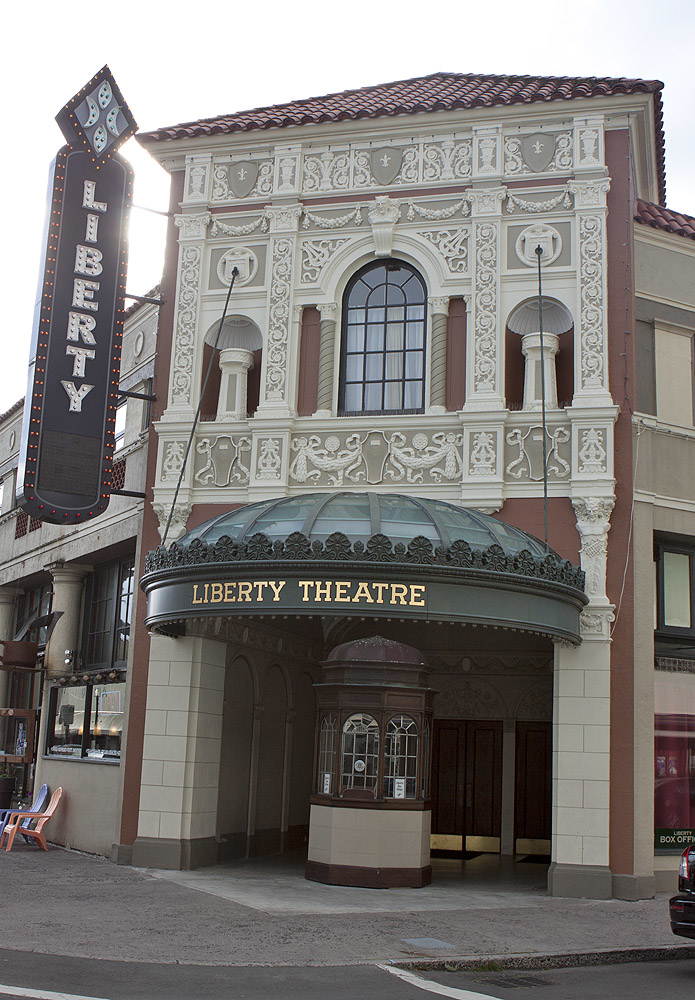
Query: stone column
[[439, 311], [329, 319], [181, 754], [581, 728], [67, 597], [235, 364], [7, 602], [533, 387]]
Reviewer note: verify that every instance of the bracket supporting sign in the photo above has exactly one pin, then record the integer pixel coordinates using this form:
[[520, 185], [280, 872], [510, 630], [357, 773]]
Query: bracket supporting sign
[[70, 407]]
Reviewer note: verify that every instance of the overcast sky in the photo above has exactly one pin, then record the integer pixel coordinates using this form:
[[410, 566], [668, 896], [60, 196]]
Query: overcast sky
[[180, 61]]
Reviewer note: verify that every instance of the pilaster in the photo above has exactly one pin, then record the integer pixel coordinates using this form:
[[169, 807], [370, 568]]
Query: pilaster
[[484, 370], [67, 597], [279, 347]]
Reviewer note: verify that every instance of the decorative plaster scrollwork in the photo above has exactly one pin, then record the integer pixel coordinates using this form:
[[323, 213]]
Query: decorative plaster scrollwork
[[438, 214], [279, 319], [592, 454], [193, 227], [529, 459], [186, 316], [593, 515], [334, 222], [532, 237], [442, 458], [222, 227], [222, 189], [472, 698], [178, 520], [538, 206], [515, 161], [316, 253], [452, 245], [590, 194], [591, 264], [485, 365], [223, 464], [376, 458], [326, 172], [269, 459], [173, 459], [482, 458]]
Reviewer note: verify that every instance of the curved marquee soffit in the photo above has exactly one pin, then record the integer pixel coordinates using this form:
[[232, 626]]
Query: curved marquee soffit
[[294, 576]]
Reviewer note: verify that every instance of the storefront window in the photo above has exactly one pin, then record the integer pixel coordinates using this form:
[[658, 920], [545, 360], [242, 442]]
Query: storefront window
[[674, 754], [360, 756], [400, 758], [327, 749], [101, 705]]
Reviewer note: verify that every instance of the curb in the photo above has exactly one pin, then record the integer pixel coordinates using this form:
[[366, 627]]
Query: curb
[[561, 960]]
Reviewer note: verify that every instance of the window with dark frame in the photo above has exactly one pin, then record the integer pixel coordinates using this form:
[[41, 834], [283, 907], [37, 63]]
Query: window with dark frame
[[675, 590], [674, 698], [86, 713], [383, 344]]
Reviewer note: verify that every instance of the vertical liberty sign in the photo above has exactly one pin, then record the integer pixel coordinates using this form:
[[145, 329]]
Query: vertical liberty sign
[[70, 406]]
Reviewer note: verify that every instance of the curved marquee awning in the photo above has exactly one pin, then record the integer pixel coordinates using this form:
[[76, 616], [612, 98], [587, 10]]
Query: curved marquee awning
[[364, 554]]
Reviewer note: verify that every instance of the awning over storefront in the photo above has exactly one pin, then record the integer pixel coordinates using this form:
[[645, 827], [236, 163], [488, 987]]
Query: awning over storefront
[[364, 554]]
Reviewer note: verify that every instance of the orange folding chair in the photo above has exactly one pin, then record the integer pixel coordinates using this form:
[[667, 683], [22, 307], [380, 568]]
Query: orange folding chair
[[16, 817]]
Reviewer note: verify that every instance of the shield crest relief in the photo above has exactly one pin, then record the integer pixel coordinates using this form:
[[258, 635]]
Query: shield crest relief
[[242, 178], [385, 163], [538, 150]]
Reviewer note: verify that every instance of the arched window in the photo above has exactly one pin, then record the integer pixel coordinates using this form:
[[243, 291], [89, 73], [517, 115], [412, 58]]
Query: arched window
[[382, 367], [360, 752]]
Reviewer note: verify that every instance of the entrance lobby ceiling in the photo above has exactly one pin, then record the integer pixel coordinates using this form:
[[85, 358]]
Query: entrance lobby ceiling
[[364, 554]]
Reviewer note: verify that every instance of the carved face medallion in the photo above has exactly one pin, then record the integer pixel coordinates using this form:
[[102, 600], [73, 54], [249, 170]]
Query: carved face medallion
[[385, 164], [242, 177], [538, 150]]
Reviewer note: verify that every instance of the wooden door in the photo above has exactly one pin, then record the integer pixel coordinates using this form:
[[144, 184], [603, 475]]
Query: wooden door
[[466, 785], [448, 785], [533, 808], [484, 785]]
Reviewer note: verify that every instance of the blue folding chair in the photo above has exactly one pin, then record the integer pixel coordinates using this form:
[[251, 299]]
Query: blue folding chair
[[37, 806]]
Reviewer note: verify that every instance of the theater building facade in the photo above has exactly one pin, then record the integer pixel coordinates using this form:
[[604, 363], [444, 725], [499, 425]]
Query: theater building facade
[[351, 635]]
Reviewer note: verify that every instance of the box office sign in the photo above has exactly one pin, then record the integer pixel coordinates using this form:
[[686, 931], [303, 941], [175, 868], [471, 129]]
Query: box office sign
[[673, 840], [70, 408]]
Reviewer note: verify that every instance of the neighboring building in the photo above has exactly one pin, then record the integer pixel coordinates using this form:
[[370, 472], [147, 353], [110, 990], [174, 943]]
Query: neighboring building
[[373, 658], [87, 572]]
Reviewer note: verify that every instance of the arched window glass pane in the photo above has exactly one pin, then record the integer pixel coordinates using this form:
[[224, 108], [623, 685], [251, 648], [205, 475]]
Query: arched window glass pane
[[328, 738], [400, 758], [383, 341], [360, 757]]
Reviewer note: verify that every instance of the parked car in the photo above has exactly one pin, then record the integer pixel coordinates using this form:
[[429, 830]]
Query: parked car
[[682, 906]]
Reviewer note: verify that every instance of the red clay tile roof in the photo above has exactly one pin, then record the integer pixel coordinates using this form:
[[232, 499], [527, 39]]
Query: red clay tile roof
[[662, 218], [437, 92]]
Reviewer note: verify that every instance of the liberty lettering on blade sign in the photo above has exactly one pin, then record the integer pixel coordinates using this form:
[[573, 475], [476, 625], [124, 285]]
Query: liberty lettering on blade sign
[[70, 407]]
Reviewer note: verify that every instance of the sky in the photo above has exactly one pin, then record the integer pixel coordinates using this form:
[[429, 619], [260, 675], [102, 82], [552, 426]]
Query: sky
[[176, 62]]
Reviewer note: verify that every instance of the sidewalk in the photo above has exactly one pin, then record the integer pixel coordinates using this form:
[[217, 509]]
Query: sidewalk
[[265, 913]]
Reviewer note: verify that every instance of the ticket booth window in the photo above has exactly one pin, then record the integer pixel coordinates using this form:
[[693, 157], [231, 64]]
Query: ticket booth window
[[401, 758], [360, 753], [328, 740]]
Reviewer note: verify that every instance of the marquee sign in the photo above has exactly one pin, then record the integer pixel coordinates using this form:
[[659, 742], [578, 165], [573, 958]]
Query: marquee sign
[[70, 407]]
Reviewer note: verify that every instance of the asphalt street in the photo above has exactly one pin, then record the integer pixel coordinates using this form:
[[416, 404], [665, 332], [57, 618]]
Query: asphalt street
[[50, 977]]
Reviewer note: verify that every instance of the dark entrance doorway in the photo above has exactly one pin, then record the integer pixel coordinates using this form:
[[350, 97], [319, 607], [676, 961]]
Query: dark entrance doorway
[[466, 786], [533, 798]]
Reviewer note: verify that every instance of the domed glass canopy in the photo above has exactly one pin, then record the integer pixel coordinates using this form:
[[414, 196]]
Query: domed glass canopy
[[360, 516]]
